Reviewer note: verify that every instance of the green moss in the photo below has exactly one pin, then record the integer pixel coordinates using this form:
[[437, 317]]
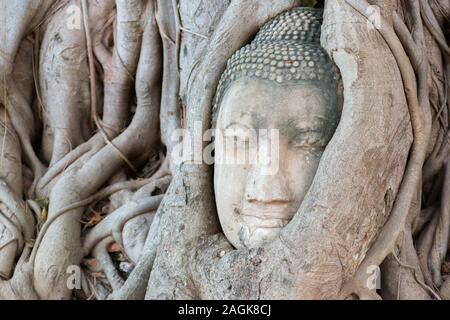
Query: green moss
[[309, 3]]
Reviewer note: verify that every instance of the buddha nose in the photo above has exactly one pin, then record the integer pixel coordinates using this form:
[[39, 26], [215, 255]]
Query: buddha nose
[[263, 187]]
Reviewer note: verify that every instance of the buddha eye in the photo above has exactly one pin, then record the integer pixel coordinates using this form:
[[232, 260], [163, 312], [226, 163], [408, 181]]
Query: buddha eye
[[238, 141], [309, 140], [240, 137]]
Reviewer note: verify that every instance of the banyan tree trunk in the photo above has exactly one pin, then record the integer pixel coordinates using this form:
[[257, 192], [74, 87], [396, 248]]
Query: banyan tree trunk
[[332, 247], [93, 94]]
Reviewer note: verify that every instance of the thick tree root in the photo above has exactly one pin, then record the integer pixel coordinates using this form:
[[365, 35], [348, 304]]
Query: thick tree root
[[419, 106]]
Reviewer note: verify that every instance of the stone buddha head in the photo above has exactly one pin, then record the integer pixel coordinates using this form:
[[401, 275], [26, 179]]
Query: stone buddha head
[[283, 81]]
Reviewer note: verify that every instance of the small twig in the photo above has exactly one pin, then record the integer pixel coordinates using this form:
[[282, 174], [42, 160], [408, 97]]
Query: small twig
[[432, 25], [50, 14], [114, 188], [5, 125], [194, 33], [93, 85], [34, 66], [15, 230], [113, 224], [438, 5], [402, 264]]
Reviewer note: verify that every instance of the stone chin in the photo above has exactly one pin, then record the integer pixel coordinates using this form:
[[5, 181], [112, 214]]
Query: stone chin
[[251, 235], [256, 226]]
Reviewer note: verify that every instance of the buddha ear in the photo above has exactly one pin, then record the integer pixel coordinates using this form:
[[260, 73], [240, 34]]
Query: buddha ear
[[340, 95]]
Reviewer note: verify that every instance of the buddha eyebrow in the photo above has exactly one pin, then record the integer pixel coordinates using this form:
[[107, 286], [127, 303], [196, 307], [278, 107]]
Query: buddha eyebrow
[[293, 129], [296, 132], [316, 121], [258, 121], [234, 123]]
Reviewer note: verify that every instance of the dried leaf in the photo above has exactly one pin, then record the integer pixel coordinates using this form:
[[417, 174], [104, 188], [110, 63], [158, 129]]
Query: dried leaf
[[44, 214], [42, 202], [309, 3], [30, 243]]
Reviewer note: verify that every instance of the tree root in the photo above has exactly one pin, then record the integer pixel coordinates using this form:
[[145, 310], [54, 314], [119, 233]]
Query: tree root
[[113, 224], [106, 100], [102, 255], [78, 183], [420, 114], [167, 16], [440, 243]]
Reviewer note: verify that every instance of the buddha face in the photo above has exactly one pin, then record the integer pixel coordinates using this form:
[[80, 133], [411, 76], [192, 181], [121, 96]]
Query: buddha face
[[254, 203]]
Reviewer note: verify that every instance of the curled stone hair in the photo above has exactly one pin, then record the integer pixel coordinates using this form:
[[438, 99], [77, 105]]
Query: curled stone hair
[[286, 49]]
